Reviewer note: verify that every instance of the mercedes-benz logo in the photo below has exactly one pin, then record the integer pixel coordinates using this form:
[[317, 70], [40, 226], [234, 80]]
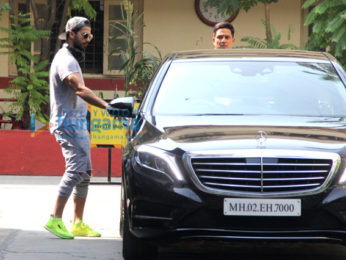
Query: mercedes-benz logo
[[261, 137]]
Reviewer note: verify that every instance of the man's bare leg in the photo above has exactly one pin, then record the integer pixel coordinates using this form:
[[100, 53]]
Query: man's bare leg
[[79, 204], [59, 206]]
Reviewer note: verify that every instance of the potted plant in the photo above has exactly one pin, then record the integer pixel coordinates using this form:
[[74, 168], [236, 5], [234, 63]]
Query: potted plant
[[138, 65]]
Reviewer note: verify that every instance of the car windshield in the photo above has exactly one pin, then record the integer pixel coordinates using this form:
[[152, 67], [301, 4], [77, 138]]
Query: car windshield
[[251, 88]]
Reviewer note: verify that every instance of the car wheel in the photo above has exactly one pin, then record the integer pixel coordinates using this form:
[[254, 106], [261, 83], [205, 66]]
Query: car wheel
[[133, 247]]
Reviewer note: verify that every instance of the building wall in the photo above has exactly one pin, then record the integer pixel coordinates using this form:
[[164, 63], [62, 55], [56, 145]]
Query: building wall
[[174, 25], [4, 62]]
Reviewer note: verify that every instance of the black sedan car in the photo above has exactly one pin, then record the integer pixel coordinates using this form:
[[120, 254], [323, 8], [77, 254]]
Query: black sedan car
[[235, 145]]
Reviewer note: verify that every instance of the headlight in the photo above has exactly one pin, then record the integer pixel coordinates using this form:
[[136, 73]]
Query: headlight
[[342, 180], [158, 160]]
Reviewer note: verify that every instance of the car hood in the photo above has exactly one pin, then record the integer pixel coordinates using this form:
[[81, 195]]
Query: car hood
[[248, 132]]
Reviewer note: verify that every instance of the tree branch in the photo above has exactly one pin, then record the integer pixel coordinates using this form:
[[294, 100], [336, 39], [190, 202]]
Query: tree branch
[[269, 35], [67, 4]]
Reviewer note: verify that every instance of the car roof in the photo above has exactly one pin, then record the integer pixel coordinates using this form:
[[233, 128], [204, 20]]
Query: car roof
[[251, 54]]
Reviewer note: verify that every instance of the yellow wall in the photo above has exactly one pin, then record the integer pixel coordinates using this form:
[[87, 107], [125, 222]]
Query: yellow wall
[[4, 22], [174, 25]]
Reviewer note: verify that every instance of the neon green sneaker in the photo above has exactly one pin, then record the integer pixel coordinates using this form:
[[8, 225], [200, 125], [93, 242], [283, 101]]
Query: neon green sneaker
[[81, 229], [57, 227]]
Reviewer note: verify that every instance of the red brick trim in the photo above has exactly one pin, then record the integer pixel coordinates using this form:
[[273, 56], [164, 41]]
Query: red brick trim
[[21, 154]]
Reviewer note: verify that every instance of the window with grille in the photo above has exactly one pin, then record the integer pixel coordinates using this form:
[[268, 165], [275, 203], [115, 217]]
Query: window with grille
[[114, 14], [94, 52], [98, 59]]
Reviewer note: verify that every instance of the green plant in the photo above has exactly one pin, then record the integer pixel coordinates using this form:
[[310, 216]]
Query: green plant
[[4, 7], [128, 55], [328, 19], [255, 42], [48, 17], [82, 5], [144, 69], [29, 87], [138, 65]]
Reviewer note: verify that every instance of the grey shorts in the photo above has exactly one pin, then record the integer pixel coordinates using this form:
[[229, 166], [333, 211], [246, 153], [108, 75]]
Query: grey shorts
[[75, 148]]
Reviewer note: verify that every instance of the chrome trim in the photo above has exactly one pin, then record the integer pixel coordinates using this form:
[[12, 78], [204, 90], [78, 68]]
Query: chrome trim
[[265, 238], [273, 153], [237, 59], [253, 186], [262, 182], [144, 217], [263, 171], [288, 164], [258, 179]]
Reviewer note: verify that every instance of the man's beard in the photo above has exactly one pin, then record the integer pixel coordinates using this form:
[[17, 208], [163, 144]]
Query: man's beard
[[77, 44], [77, 51]]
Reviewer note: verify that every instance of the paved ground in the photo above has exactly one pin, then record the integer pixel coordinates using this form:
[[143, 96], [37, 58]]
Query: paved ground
[[25, 206], [26, 202]]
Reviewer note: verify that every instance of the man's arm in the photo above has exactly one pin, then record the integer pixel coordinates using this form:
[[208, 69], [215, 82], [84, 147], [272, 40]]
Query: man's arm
[[75, 82]]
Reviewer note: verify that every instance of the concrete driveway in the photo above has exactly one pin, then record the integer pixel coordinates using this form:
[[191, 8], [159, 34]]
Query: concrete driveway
[[25, 206], [26, 202]]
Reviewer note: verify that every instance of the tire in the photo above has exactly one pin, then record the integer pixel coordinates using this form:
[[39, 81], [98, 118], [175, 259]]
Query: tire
[[133, 247]]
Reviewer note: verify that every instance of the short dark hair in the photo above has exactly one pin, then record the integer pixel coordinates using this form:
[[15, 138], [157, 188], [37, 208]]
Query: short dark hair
[[224, 25]]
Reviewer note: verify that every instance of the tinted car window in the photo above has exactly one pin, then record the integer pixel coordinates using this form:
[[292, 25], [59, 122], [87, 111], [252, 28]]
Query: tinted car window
[[251, 87]]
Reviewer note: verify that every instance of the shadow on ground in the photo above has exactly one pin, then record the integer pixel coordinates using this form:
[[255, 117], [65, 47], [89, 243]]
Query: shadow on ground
[[36, 245], [258, 251], [18, 244]]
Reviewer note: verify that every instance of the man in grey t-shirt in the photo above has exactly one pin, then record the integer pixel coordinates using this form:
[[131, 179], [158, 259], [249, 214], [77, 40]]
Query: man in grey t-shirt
[[68, 100]]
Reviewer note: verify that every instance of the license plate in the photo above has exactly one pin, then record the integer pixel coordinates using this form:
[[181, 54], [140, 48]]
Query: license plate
[[262, 207]]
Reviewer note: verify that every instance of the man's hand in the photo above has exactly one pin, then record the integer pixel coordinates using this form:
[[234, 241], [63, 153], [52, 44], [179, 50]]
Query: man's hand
[[113, 111], [124, 107]]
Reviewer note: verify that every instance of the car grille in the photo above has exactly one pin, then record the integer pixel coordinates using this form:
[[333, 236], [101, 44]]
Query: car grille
[[262, 174]]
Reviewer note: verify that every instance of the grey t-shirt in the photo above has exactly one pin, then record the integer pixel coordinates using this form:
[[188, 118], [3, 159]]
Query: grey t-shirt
[[67, 110]]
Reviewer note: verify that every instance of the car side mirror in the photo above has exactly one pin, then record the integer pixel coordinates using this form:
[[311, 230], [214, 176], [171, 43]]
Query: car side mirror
[[124, 106]]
